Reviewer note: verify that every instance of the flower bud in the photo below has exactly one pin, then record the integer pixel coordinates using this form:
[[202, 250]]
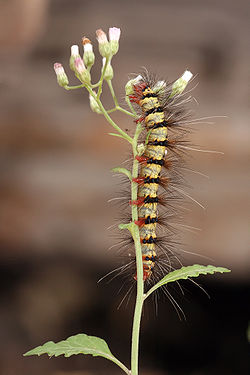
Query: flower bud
[[88, 56], [81, 72], [104, 46], [94, 105], [74, 55], [62, 78], [181, 83], [109, 74], [114, 36], [129, 87]]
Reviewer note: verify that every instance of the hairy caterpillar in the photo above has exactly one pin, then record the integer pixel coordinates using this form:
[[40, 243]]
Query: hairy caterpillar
[[161, 195], [162, 115]]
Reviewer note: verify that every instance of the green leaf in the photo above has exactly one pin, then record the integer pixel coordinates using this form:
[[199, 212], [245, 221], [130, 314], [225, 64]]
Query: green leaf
[[185, 273], [78, 344], [124, 171]]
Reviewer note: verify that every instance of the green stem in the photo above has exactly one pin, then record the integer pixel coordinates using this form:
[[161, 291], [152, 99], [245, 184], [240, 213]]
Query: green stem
[[121, 110], [134, 115], [112, 93], [108, 118], [112, 110], [102, 78], [134, 211], [117, 107], [74, 87], [139, 264], [118, 363], [95, 85], [130, 106]]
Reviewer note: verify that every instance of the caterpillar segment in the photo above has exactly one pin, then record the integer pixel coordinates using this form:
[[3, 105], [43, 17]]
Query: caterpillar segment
[[148, 181]]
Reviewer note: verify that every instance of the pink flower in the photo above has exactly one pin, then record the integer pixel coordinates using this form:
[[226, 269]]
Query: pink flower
[[58, 69], [114, 33], [61, 76], [101, 36], [79, 65], [81, 72], [108, 48]]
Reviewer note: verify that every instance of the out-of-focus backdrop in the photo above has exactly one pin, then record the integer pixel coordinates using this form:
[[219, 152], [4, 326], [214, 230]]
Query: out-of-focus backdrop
[[55, 180]]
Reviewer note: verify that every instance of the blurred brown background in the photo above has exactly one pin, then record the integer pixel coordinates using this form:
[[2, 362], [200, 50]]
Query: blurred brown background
[[55, 181]]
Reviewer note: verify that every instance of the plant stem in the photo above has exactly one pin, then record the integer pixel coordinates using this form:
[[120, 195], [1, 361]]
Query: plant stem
[[102, 78], [130, 106], [117, 107], [112, 93], [74, 87], [134, 211], [108, 118], [126, 112], [118, 363], [112, 110], [139, 265]]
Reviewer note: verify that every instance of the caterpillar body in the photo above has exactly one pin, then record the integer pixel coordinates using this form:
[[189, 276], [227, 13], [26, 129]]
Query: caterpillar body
[[159, 113]]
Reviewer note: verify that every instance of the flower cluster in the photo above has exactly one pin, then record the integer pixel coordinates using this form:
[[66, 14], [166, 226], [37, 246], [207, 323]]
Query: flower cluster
[[81, 65]]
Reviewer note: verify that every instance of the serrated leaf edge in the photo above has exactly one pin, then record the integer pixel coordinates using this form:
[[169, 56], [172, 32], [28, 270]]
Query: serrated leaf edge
[[184, 273], [82, 350]]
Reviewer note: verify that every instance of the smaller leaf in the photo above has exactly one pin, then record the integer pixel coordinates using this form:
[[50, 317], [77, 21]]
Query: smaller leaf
[[185, 273], [124, 171], [78, 344]]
